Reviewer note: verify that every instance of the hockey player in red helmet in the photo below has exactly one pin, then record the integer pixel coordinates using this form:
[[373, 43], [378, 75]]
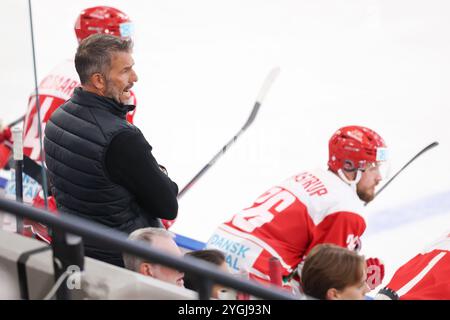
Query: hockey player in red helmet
[[309, 208], [354, 150], [55, 88], [103, 19]]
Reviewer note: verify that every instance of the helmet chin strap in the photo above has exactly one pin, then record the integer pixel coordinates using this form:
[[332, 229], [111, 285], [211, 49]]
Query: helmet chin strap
[[353, 183]]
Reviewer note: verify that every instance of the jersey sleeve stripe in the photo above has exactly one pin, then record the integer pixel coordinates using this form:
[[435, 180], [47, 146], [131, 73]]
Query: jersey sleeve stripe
[[407, 287]]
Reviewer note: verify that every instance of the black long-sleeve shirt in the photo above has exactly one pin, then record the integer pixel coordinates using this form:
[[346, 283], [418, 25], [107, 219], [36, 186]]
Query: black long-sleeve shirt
[[130, 163]]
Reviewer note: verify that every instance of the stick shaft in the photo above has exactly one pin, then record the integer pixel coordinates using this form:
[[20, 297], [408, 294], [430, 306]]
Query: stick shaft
[[264, 89], [429, 147]]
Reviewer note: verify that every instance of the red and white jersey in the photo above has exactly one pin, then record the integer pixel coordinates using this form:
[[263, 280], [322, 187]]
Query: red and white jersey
[[54, 90], [288, 220], [426, 276]]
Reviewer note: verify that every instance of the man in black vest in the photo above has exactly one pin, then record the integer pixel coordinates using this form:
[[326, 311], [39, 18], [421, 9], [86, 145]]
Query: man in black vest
[[100, 166]]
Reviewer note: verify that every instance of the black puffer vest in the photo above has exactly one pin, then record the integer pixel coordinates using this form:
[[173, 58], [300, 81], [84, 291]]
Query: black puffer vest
[[76, 139]]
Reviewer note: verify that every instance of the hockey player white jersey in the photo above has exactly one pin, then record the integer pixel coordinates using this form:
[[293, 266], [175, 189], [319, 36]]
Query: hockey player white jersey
[[288, 220]]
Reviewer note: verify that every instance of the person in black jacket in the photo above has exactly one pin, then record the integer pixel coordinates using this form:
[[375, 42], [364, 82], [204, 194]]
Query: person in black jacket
[[100, 166]]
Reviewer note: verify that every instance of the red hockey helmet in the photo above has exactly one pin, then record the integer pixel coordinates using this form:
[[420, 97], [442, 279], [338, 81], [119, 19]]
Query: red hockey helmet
[[350, 148], [103, 19]]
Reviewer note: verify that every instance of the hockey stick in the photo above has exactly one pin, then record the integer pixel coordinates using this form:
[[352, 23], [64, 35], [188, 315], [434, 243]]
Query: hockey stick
[[259, 100], [429, 147], [31, 168], [38, 106]]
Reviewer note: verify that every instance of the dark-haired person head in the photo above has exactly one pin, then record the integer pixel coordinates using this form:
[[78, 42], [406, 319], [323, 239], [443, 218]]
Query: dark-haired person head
[[331, 272]]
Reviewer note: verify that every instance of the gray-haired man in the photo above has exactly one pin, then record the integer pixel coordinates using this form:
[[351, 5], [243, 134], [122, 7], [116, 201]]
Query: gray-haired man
[[100, 166], [159, 239]]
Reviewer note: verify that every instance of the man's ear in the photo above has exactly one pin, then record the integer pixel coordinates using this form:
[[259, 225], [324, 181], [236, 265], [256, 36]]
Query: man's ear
[[98, 81], [332, 294], [146, 269]]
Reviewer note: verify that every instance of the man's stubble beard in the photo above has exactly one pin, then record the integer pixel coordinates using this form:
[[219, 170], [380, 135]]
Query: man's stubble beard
[[365, 195], [110, 91]]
